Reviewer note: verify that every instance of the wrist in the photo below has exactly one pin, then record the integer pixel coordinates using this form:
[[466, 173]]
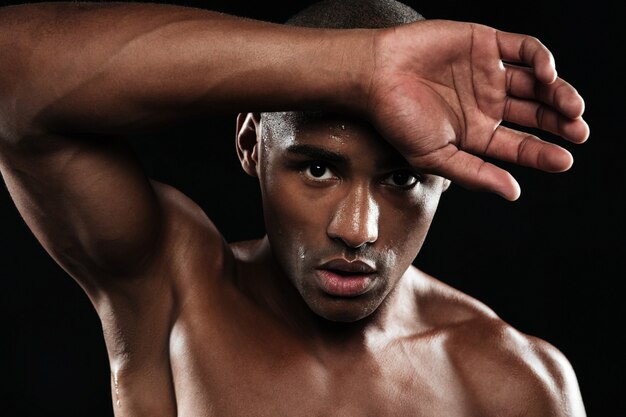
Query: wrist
[[319, 69], [350, 69]]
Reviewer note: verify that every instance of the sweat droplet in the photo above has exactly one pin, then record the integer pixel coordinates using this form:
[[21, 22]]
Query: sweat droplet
[[117, 390]]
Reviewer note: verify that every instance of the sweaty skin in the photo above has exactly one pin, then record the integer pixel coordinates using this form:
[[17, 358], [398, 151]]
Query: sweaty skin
[[325, 315]]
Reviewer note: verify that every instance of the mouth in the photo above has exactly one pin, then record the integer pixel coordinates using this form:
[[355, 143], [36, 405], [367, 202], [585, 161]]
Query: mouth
[[343, 278]]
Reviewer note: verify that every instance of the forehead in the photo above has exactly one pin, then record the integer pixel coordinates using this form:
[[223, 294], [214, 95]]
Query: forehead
[[341, 133]]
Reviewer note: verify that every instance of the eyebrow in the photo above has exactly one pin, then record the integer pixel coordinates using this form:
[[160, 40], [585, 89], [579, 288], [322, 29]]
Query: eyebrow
[[315, 152]]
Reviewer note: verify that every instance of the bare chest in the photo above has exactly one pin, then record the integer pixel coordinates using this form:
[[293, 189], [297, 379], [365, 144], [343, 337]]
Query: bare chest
[[251, 373]]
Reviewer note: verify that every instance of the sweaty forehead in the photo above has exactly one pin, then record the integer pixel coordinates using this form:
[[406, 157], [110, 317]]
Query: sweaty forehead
[[284, 129], [346, 138]]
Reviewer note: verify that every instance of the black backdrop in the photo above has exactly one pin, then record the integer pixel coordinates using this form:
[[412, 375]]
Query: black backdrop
[[550, 264]]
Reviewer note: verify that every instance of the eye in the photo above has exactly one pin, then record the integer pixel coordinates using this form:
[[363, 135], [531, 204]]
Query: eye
[[401, 179], [318, 171]]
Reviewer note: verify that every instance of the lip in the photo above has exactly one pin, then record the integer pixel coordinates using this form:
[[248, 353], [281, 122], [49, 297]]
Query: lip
[[353, 267], [343, 278]]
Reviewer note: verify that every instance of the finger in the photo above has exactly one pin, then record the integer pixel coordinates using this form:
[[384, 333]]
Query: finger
[[471, 172], [515, 47], [538, 115], [520, 82], [524, 149]]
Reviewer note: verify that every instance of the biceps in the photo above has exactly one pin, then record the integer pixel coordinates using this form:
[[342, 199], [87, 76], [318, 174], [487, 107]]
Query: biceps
[[88, 203]]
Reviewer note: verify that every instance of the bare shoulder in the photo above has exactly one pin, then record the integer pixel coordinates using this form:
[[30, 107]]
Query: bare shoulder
[[506, 371], [190, 252]]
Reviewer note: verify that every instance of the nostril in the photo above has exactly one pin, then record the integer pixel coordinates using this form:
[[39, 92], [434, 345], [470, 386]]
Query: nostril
[[351, 242]]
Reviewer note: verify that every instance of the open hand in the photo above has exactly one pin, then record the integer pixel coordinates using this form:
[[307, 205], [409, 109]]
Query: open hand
[[441, 89]]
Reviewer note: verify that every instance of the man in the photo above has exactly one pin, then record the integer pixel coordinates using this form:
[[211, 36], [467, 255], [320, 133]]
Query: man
[[353, 135]]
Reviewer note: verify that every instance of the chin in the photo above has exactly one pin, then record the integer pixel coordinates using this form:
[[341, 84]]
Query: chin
[[343, 310]]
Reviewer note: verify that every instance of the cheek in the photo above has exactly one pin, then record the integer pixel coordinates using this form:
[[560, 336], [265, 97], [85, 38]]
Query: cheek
[[295, 219], [287, 207], [404, 226]]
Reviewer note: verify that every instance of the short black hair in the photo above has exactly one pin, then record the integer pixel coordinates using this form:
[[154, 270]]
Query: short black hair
[[354, 14]]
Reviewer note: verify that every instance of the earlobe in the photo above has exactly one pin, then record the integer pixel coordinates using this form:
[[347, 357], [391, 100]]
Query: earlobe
[[248, 139]]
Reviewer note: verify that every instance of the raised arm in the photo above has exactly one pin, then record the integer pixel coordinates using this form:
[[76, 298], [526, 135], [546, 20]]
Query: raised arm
[[75, 77], [124, 68]]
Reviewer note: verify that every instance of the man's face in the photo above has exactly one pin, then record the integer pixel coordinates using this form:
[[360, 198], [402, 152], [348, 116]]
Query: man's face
[[345, 214]]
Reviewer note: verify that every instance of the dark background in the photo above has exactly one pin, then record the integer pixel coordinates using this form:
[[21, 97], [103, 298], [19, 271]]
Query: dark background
[[551, 264]]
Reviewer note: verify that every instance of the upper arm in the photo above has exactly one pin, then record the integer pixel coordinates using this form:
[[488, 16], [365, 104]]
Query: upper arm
[[85, 197], [88, 202]]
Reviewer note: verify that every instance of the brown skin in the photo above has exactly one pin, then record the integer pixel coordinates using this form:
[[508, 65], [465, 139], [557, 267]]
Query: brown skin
[[198, 327], [351, 209]]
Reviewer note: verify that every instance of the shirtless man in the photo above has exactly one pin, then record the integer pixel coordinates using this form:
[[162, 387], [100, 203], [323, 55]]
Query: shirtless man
[[325, 315]]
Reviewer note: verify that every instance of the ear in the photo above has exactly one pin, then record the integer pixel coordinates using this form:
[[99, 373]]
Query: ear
[[248, 142]]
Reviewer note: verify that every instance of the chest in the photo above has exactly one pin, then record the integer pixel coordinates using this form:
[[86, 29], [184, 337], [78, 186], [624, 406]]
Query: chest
[[226, 370]]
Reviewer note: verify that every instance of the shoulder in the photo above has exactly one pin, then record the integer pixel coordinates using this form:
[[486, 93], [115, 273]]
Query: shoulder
[[512, 372], [189, 250], [506, 371], [138, 314]]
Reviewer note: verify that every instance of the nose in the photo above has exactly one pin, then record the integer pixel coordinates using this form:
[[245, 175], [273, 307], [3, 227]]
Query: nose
[[355, 221]]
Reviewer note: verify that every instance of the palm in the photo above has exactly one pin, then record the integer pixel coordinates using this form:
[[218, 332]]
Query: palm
[[443, 109]]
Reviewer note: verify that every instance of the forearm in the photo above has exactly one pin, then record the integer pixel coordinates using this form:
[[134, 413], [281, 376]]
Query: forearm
[[118, 68]]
